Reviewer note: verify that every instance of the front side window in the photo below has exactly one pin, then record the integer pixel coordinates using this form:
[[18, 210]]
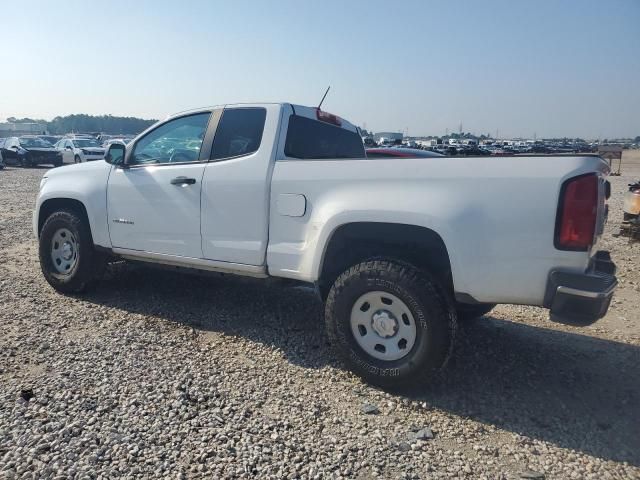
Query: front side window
[[307, 138], [239, 132], [176, 141]]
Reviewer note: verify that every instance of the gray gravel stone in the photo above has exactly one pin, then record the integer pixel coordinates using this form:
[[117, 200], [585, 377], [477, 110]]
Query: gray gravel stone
[[531, 475], [369, 409]]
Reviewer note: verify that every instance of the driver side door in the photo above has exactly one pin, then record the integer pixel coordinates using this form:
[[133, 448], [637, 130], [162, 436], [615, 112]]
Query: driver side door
[[153, 202]]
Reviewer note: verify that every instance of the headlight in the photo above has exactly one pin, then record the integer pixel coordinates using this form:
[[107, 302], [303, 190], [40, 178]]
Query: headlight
[[43, 181]]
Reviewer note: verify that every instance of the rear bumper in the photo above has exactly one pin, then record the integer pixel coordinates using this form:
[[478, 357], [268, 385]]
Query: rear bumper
[[582, 298]]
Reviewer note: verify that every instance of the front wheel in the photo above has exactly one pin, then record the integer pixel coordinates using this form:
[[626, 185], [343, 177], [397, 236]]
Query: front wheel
[[391, 323], [77, 159], [68, 259], [25, 162]]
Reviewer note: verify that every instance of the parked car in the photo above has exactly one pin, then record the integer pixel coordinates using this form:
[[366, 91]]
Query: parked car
[[123, 141], [398, 250], [446, 150], [78, 150], [1, 159], [395, 152], [29, 151], [473, 151]]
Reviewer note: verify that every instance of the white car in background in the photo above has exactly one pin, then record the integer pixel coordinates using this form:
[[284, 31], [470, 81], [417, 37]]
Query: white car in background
[[78, 150]]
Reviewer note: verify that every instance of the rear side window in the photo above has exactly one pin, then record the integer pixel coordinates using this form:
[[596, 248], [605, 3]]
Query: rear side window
[[239, 132], [307, 138]]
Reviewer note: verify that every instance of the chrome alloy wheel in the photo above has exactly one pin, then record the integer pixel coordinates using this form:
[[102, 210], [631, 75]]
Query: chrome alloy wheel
[[383, 325], [64, 251]]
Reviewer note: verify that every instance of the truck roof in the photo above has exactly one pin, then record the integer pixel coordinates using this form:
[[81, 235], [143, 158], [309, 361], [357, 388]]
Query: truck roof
[[301, 110]]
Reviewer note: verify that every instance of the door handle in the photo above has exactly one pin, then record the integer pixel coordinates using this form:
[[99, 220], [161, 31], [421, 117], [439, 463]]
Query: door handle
[[183, 181]]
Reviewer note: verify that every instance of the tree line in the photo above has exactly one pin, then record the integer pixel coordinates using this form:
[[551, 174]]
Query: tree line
[[82, 123]]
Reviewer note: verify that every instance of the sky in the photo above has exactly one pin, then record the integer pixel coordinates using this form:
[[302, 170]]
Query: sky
[[520, 68]]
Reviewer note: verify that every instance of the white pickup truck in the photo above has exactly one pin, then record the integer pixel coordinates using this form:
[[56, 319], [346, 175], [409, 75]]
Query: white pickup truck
[[399, 249]]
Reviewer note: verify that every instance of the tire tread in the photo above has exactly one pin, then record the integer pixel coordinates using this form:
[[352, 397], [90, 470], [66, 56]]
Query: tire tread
[[429, 292]]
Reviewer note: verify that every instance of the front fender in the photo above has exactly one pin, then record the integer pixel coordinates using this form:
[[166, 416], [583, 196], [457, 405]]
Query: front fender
[[85, 183]]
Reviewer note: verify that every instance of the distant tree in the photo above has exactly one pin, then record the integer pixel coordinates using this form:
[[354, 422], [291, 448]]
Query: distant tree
[[25, 120], [82, 123]]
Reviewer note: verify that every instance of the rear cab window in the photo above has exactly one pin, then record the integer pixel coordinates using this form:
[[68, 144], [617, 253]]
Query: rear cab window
[[312, 138], [239, 132]]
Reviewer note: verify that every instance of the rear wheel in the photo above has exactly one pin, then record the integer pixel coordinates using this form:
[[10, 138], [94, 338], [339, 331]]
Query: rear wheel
[[468, 312], [68, 259], [390, 323]]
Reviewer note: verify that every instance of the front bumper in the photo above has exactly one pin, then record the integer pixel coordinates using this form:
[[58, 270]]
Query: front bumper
[[41, 160], [582, 298]]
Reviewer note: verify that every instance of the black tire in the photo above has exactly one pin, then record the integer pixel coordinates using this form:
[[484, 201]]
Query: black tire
[[25, 162], [429, 304], [90, 263], [77, 159], [57, 163], [467, 312]]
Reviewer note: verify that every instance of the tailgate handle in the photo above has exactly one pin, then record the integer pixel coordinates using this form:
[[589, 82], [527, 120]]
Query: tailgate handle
[[183, 181]]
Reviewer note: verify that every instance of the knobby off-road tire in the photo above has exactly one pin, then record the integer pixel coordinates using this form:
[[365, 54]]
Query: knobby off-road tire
[[86, 264], [427, 307], [468, 312]]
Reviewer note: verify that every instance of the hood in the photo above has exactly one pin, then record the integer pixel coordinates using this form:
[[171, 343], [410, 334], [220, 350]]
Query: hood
[[87, 168], [39, 149]]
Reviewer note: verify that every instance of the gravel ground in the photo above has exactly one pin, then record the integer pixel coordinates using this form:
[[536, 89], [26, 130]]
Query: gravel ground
[[157, 375]]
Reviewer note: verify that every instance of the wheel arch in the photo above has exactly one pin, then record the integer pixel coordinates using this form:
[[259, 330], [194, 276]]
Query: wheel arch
[[51, 205], [353, 242]]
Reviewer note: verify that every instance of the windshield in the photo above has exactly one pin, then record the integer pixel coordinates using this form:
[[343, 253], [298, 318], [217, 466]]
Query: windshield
[[28, 142], [82, 143]]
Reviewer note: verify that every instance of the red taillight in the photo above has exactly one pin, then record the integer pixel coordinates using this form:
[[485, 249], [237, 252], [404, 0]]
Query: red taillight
[[578, 212], [328, 117]]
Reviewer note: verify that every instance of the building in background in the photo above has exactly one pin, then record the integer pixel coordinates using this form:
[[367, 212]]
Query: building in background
[[16, 129]]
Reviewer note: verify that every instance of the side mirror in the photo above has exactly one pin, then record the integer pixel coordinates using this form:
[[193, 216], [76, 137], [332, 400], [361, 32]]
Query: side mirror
[[68, 148], [15, 147], [115, 154]]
